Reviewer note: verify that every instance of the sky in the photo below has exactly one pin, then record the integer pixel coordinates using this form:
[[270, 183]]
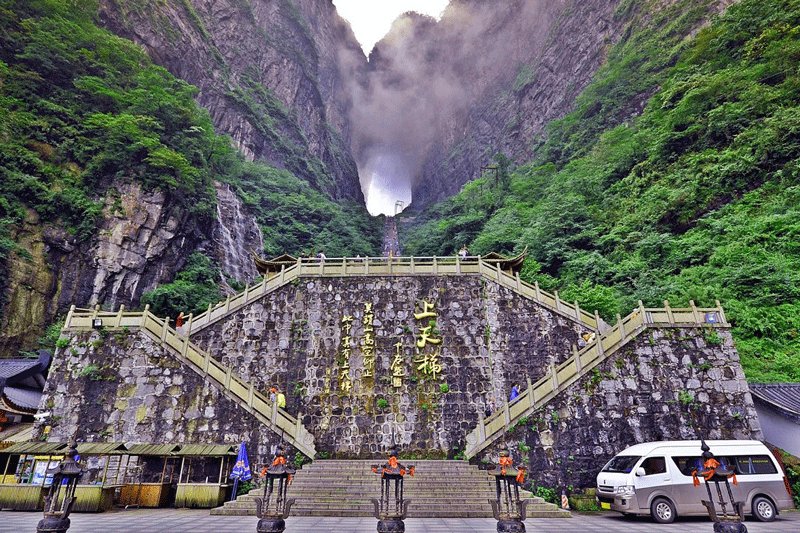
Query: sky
[[371, 19]]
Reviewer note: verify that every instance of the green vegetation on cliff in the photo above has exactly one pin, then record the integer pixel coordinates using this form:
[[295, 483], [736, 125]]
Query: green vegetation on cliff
[[697, 198], [82, 110]]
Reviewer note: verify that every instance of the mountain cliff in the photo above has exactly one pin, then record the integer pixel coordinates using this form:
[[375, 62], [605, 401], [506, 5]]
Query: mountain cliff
[[270, 72], [113, 181], [487, 79]]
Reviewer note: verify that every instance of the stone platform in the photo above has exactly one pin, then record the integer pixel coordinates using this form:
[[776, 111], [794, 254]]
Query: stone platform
[[439, 489]]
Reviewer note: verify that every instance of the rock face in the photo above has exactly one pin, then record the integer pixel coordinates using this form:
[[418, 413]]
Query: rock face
[[143, 240], [236, 235], [270, 72]]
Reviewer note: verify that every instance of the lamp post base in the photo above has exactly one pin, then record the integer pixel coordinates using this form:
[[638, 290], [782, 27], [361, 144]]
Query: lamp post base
[[391, 525], [510, 526], [729, 527], [271, 525], [52, 524]]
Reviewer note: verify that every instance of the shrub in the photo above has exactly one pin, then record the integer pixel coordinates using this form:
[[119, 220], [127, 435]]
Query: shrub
[[382, 403], [444, 388]]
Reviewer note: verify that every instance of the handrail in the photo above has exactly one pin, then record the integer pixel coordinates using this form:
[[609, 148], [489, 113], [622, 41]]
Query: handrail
[[393, 266], [244, 394], [561, 377]]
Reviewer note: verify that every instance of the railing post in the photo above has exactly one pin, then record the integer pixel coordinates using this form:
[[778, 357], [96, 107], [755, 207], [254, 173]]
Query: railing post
[[601, 351], [695, 313], [207, 363], [621, 327], [413, 266], [532, 396], [68, 322], [185, 347], [188, 328], [481, 427], [518, 281], [458, 264], [119, 315], [146, 310], [95, 311], [250, 394], [597, 322], [554, 374], [538, 291], [228, 377], [577, 356], [164, 329], [208, 313], [668, 309], [643, 312], [366, 265], [435, 266], [344, 266], [578, 311], [558, 301], [506, 414], [283, 274], [246, 291], [321, 267], [228, 303], [721, 312]]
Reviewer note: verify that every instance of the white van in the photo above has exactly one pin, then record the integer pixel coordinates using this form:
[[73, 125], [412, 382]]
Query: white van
[[655, 478]]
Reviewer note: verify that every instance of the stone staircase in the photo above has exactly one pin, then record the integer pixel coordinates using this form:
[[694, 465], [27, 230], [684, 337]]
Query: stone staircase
[[439, 489]]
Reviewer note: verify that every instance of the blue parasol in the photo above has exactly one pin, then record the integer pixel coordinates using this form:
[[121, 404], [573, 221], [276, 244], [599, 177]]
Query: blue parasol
[[241, 470]]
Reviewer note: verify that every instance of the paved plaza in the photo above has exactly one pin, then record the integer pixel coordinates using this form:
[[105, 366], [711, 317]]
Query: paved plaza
[[178, 520]]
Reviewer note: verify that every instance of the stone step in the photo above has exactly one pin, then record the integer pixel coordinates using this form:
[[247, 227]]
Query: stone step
[[440, 488]]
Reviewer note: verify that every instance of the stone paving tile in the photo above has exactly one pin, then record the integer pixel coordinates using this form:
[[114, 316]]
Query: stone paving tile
[[198, 521]]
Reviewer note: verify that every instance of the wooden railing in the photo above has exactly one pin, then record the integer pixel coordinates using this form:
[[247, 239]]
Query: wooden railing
[[242, 393], [561, 377], [396, 266]]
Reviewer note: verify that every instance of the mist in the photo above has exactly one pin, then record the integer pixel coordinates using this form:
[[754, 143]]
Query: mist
[[422, 79]]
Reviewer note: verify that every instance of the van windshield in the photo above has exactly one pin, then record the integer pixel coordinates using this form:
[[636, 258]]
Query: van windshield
[[622, 463]]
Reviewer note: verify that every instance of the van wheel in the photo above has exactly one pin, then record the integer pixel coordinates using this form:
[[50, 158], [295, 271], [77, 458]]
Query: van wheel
[[663, 511], [763, 509]]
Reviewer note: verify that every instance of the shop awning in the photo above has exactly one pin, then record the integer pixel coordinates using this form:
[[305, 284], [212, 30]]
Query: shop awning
[[152, 449], [208, 450], [37, 448], [102, 448]]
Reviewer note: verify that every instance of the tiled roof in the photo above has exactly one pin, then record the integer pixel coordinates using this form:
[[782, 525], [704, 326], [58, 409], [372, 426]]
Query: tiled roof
[[10, 368], [23, 398], [785, 396]]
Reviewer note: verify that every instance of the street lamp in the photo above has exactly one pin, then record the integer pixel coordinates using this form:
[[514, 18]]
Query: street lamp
[[272, 515], [507, 507], [712, 471], [65, 475], [390, 517]]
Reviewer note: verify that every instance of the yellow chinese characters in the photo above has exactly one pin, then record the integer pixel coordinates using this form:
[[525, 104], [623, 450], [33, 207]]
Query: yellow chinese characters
[[398, 370], [428, 360], [368, 342], [345, 383]]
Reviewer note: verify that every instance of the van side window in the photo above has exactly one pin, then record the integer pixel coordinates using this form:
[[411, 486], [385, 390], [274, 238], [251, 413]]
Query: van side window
[[752, 464], [687, 465], [654, 465]]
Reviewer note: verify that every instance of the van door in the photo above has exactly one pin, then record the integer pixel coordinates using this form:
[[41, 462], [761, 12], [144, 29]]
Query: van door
[[687, 496], [656, 479]]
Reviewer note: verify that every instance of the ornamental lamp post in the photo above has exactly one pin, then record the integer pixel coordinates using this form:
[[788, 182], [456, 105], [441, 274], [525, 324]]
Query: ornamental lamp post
[[507, 507], [390, 514], [273, 513], [65, 476], [729, 517]]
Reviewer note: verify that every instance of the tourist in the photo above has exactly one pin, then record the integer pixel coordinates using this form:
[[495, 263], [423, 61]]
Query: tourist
[[179, 320], [463, 252], [281, 400], [489, 409], [273, 394], [321, 256], [514, 393]]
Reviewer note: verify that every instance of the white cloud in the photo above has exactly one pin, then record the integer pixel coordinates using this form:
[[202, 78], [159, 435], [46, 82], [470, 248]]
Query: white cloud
[[371, 19]]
